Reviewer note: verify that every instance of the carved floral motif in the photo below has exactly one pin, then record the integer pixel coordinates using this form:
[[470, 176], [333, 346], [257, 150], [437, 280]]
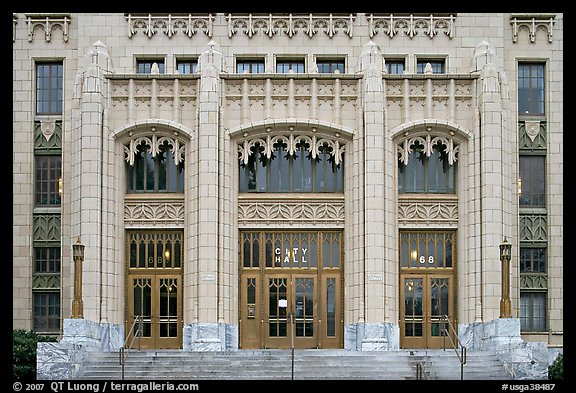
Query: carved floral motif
[[411, 25], [169, 24], [271, 25]]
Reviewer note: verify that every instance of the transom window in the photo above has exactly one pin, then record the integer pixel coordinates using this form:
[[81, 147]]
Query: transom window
[[291, 249], [283, 66], [49, 83], [427, 249], [326, 66], [531, 88], [296, 171]]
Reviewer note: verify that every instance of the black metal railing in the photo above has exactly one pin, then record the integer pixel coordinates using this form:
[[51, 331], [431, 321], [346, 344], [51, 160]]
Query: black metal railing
[[127, 346], [445, 332]]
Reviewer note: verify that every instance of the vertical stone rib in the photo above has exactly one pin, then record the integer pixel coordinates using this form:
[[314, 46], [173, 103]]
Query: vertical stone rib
[[452, 100], [314, 98], [406, 101], [131, 101], [337, 103], [176, 101], [154, 99], [268, 102], [429, 104], [291, 99], [245, 101]]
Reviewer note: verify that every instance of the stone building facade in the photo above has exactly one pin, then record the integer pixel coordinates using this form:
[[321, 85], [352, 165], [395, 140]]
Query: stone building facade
[[226, 171]]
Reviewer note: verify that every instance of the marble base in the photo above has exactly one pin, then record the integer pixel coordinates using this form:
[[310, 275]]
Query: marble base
[[372, 337], [62, 360], [210, 337], [523, 360]]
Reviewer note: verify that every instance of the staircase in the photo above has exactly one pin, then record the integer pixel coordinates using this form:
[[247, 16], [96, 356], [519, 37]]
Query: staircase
[[276, 364]]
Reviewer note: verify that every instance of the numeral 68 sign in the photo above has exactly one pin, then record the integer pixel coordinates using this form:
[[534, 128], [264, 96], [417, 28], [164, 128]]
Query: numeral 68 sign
[[430, 259]]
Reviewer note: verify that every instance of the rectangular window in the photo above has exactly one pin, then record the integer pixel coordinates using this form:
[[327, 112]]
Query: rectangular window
[[437, 66], [533, 181], [330, 66], [531, 88], [145, 66], [395, 67], [250, 66], [532, 260], [47, 260], [284, 66], [47, 184], [532, 311], [49, 82], [186, 66], [46, 307]]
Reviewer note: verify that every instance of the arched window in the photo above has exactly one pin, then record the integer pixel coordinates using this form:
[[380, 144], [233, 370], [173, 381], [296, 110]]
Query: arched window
[[427, 165], [288, 164], [154, 165]]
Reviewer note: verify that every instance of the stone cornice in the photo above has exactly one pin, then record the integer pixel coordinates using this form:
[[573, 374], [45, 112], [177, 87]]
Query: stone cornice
[[47, 22], [532, 22]]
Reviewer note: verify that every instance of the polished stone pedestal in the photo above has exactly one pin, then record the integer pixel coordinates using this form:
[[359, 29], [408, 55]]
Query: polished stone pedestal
[[372, 337], [523, 360]]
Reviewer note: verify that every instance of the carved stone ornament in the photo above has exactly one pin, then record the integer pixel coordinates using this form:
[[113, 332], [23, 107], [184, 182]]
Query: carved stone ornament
[[154, 212], [532, 129], [313, 145], [47, 22], [450, 146], [532, 23], [411, 211], [411, 25], [154, 142], [290, 25], [250, 212], [47, 128], [170, 24]]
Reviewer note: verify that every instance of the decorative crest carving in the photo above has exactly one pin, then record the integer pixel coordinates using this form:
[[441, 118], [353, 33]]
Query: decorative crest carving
[[154, 143], [312, 143], [411, 25], [48, 22], [271, 25], [169, 24]]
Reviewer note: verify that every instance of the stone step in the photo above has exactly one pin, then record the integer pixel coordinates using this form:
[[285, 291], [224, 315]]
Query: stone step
[[276, 364]]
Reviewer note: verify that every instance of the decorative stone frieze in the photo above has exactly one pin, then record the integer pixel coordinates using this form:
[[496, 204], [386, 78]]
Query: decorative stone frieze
[[169, 24], [47, 22], [46, 228], [451, 147], [532, 22], [411, 25], [313, 145], [46, 281], [153, 212], [533, 227], [154, 142], [533, 281], [290, 25], [252, 211], [437, 211], [532, 135]]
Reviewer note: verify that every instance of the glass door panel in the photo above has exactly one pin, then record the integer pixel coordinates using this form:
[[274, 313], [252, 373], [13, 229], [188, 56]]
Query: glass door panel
[[413, 311], [277, 312], [142, 306], [304, 305], [440, 303]]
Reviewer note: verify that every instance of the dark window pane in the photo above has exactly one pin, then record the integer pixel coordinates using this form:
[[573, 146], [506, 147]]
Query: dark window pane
[[250, 66], [145, 66], [186, 66], [48, 175], [394, 67], [533, 311], [329, 66], [531, 88], [437, 66], [46, 308], [533, 180], [284, 66], [49, 88]]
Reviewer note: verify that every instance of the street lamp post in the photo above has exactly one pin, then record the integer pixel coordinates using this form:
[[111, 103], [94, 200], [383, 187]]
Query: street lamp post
[[78, 256], [505, 305]]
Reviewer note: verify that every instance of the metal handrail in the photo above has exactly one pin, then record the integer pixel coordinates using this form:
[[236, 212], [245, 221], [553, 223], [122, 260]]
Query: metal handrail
[[462, 354], [137, 333], [292, 341]]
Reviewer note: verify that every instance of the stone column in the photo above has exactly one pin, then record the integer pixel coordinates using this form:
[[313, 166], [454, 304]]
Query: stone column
[[206, 333], [376, 333], [92, 201]]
